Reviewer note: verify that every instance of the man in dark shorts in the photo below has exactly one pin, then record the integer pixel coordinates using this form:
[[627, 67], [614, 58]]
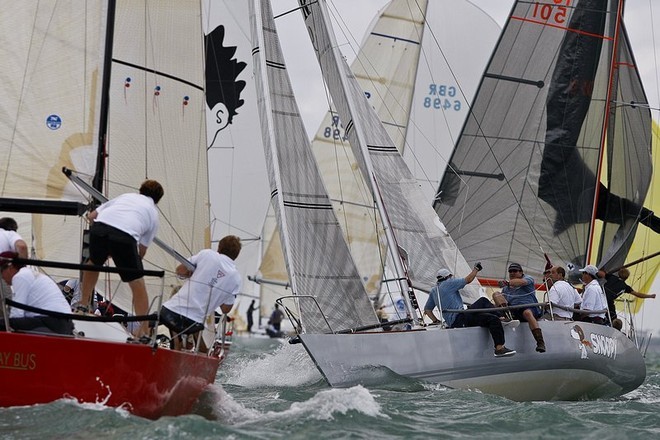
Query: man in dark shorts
[[123, 228]]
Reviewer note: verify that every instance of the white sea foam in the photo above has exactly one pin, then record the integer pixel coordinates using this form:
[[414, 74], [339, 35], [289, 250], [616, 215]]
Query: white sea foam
[[122, 410], [288, 366], [226, 409], [336, 400], [322, 406]]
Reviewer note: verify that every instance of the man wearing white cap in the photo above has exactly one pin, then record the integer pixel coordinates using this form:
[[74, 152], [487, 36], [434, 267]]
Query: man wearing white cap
[[445, 294], [593, 297]]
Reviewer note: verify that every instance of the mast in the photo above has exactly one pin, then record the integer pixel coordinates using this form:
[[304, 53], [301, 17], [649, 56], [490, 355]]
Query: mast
[[97, 182], [604, 132]]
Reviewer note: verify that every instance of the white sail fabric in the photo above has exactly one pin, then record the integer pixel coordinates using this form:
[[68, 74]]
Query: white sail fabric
[[157, 125], [237, 178], [318, 260], [386, 67], [49, 110], [417, 229], [418, 97]]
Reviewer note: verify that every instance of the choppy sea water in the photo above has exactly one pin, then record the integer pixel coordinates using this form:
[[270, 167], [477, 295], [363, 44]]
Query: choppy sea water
[[271, 390]]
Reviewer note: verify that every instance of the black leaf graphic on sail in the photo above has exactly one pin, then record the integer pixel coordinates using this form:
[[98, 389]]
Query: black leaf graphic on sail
[[223, 91]]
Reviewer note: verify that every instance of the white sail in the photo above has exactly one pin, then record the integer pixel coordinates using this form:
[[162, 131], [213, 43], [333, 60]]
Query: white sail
[[415, 227], [318, 260], [238, 181], [157, 125], [48, 120], [410, 85], [155, 118]]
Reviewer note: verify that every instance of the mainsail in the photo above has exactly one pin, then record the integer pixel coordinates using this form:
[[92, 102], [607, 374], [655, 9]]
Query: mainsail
[[49, 113], [415, 232], [140, 70], [318, 260], [561, 98]]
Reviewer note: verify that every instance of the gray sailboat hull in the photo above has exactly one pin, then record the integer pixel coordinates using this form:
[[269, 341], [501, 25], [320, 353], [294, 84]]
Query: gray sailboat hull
[[583, 360]]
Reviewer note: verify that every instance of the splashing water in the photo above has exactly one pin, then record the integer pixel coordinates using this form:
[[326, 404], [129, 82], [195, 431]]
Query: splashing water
[[288, 366]]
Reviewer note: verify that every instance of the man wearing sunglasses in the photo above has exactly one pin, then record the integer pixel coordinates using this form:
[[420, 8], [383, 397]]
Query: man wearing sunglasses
[[519, 291]]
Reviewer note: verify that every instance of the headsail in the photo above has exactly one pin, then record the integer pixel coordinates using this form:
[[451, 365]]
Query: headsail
[[415, 227], [157, 122], [386, 67], [530, 151], [318, 260]]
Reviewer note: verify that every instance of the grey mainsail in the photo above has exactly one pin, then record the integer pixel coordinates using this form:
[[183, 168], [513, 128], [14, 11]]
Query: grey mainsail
[[317, 257], [561, 89]]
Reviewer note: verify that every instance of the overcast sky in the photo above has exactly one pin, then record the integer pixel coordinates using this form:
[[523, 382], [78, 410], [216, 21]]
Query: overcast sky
[[356, 15]]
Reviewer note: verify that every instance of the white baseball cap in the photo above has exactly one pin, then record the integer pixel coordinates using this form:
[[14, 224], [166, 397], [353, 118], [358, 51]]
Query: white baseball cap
[[443, 273], [591, 270]]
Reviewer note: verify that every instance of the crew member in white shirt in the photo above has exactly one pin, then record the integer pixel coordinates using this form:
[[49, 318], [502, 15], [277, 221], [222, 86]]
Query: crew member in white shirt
[[593, 297], [123, 228], [562, 293], [10, 240], [36, 290], [213, 283]]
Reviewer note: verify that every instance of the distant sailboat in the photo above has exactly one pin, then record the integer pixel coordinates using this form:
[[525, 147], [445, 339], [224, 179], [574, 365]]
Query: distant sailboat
[[586, 360]]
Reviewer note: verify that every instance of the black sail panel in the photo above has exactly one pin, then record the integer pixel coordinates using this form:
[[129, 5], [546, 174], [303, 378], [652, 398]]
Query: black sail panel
[[523, 173], [568, 175]]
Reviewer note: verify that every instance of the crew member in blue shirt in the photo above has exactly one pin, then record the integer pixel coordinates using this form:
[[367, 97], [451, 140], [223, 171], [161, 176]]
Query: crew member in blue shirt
[[520, 290], [445, 294]]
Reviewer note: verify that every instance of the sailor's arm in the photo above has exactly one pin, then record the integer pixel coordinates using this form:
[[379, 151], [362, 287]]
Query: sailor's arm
[[21, 248], [642, 295]]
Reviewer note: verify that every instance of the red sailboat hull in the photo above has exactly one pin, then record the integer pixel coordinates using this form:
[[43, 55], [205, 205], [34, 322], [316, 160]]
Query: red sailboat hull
[[149, 382]]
